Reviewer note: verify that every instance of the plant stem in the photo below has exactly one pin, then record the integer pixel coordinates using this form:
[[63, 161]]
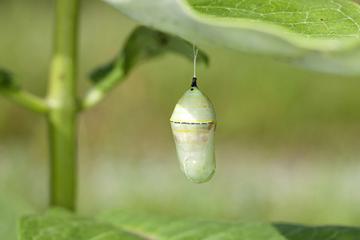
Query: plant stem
[[26, 100], [104, 86], [62, 99]]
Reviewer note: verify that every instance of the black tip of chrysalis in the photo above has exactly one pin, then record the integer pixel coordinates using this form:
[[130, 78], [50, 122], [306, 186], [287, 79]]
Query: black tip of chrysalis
[[194, 82]]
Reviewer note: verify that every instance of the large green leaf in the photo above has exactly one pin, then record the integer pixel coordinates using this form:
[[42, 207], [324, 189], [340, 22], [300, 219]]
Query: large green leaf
[[318, 34], [59, 225]]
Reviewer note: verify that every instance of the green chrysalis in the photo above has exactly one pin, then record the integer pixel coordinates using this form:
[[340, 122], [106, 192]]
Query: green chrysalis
[[193, 124]]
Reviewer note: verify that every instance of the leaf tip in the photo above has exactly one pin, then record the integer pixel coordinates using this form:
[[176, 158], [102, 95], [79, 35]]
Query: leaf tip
[[6, 79]]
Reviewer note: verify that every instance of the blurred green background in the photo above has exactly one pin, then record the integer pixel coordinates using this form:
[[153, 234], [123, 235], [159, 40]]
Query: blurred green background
[[287, 139]]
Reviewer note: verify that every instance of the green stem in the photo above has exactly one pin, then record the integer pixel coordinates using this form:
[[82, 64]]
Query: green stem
[[26, 100], [104, 86], [62, 99]]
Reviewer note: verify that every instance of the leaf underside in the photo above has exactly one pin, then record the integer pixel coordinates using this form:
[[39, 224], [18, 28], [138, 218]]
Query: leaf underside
[[60, 225], [323, 35]]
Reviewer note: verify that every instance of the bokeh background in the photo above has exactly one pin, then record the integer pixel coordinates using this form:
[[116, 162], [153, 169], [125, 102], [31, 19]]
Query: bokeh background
[[287, 139]]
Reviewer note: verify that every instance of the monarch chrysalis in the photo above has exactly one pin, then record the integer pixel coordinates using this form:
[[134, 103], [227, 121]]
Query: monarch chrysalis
[[193, 125]]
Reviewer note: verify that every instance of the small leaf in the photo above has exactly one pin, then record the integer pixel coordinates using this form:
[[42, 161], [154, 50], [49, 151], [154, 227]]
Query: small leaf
[[323, 35], [144, 44], [6, 80]]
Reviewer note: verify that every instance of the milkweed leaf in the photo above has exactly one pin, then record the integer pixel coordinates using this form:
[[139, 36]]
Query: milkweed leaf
[[322, 35], [60, 225]]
